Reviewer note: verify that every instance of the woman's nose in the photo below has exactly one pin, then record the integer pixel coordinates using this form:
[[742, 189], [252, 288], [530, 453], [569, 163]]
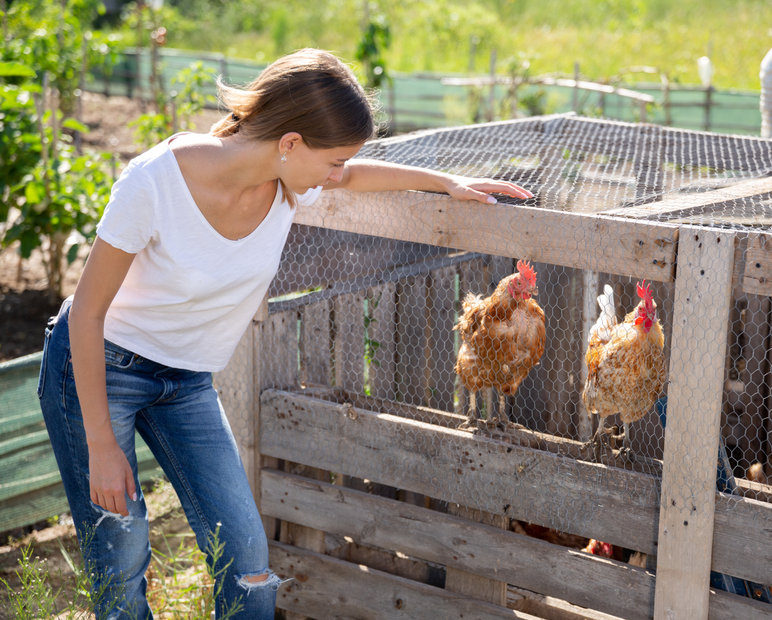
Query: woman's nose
[[335, 175]]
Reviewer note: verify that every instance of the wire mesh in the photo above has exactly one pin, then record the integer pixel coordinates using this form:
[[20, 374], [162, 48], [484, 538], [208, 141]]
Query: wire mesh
[[387, 311]]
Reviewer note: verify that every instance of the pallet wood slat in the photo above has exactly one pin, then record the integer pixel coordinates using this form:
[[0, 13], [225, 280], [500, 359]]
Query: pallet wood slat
[[349, 343], [645, 249], [757, 278], [440, 352], [382, 330], [448, 463], [355, 591], [316, 343], [704, 280], [742, 538], [411, 325], [742, 525], [684, 204], [468, 546]]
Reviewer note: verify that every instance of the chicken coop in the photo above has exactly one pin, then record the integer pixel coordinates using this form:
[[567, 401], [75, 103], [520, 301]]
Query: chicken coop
[[383, 498]]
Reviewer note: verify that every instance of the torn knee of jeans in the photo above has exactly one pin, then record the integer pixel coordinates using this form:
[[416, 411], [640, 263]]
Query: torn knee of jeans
[[125, 522], [266, 579]]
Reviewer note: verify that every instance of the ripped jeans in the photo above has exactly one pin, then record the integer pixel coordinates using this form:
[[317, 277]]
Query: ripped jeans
[[179, 416]]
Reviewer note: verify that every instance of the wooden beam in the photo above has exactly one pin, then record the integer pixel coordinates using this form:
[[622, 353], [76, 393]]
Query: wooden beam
[[458, 466], [477, 549], [681, 204], [322, 584], [757, 278], [742, 539], [607, 244], [698, 349]]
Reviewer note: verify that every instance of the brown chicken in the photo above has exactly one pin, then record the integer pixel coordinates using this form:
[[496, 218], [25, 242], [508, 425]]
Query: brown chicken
[[502, 338], [625, 364]]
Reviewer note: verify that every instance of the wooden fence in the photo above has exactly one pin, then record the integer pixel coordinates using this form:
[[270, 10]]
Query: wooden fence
[[366, 499]]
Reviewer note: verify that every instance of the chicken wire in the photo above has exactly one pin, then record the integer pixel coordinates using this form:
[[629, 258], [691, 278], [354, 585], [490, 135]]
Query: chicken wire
[[402, 300]]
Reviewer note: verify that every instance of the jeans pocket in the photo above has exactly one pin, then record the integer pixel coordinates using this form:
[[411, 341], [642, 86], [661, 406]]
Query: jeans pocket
[[118, 357], [44, 360]]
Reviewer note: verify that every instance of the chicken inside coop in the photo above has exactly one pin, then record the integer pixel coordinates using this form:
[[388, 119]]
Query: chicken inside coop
[[625, 365], [502, 338]]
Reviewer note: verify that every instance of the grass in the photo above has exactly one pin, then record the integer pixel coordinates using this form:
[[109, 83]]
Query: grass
[[606, 37], [49, 581]]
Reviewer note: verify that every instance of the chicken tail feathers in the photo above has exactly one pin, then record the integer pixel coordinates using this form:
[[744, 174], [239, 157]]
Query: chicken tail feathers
[[607, 319]]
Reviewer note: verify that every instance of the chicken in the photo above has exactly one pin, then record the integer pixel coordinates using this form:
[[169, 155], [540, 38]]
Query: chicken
[[502, 338], [625, 363]]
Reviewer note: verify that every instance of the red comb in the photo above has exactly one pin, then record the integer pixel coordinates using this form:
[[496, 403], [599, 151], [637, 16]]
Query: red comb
[[527, 272], [644, 292]]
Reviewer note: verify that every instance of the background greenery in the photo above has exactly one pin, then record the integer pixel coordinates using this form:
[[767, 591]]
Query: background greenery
[[606, 37]]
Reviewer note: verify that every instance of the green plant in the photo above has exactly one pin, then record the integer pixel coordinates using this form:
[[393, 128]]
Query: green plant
[[176, 109], [52, 194], [376, 39], [35, 598]]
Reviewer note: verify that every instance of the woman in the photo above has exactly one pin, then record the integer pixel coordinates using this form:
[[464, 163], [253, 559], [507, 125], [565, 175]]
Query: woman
[[187, 247]]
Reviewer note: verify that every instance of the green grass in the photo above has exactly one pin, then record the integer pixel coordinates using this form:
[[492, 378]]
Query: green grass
[[606, 37]]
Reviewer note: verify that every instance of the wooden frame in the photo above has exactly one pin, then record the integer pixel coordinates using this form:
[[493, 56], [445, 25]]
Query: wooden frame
[[692, 529]]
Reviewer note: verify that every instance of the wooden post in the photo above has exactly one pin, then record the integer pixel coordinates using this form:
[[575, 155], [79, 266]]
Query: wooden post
[[235, 385], [700, 317]]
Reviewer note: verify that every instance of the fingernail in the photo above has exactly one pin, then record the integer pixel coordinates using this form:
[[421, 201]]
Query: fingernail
[[134, 497], [491, 200]]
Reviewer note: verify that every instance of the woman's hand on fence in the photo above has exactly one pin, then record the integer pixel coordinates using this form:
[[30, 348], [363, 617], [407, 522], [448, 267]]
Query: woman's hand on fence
[[110, 478], [465, 188]]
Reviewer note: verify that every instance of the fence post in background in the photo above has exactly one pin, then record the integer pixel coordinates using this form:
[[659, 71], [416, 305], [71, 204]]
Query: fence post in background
[[765, 102], [492, 92], [224, 69], [703, 290], [575, 93], [708, 105]]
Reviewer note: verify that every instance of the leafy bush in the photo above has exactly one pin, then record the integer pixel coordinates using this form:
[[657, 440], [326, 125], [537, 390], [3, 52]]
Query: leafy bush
[[51, 194]]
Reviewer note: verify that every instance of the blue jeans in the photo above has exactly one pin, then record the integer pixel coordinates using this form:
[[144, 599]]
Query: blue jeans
[[178, 414]]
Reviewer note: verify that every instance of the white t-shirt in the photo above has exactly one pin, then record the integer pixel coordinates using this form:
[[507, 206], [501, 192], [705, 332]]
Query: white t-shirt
[[190, 293]]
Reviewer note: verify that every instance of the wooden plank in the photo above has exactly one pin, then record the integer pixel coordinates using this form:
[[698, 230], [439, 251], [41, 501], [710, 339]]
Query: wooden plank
[[643, 249], [349, 342], [321, 584], [742, 538], [441, 354], [698, 349], [275, 364], [464, 545], [412, 326], [277, 345], [682, 204], [382, 330], [235, 387], [460, 467], [467, 582], [757, 278], [315, 339], [724, 605]]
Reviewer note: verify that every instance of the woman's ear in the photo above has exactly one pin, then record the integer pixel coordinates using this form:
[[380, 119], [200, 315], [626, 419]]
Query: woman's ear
[[289, 141]]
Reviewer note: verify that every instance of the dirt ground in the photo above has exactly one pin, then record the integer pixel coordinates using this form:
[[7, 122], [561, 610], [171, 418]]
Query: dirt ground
[[24, 304]]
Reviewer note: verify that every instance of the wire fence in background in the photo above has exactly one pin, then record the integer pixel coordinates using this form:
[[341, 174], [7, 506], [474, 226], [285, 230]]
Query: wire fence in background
[[422, 100]]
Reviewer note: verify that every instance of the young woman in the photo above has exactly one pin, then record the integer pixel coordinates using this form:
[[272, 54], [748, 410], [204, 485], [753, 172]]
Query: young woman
[[189, 242]]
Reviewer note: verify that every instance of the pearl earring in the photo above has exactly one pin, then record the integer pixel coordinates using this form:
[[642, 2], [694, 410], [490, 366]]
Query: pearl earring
[[283, 157]]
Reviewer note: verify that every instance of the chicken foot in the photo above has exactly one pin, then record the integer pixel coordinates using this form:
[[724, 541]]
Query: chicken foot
[[604, 435]]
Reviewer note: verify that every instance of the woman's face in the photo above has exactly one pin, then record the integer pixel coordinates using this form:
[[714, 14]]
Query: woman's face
[[306, 167]]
